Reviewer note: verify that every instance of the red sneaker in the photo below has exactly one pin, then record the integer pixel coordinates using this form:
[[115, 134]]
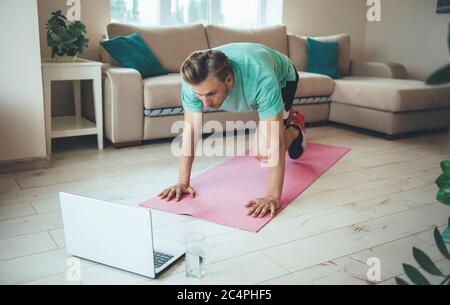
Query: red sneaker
[[298, 146]]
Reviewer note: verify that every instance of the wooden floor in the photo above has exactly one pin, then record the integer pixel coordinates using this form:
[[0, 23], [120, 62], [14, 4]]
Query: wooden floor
[[378, 201]]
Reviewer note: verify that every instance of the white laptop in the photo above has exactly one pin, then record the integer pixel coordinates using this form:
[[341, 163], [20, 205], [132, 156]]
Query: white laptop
[[115, 235]]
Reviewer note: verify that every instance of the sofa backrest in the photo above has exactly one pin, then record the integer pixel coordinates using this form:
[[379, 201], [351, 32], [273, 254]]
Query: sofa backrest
[[171, 45], [274, 37], [298, 51]]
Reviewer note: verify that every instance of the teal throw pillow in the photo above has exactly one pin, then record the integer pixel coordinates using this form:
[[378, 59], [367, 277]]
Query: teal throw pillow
[[323, 57], [132, 52]]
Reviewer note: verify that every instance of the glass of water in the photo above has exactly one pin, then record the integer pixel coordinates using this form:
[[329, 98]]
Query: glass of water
[[195, 255]]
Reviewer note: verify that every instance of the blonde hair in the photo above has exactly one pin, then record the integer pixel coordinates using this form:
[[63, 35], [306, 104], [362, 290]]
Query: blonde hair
[[201, 65]]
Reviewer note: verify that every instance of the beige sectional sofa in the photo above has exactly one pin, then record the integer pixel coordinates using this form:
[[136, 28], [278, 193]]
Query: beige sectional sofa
[[375, 96]]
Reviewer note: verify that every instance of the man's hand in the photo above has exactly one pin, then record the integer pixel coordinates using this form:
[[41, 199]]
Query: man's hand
[[177, 191], [258, 208]]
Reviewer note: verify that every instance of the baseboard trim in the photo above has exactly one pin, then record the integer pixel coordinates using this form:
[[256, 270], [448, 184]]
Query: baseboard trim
[[409, 134], [127, 144]]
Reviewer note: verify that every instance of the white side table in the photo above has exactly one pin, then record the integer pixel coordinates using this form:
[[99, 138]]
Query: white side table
[[71, 126]]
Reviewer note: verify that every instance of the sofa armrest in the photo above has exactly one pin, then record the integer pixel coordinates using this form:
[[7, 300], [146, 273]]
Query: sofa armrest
[[124, 105], [378, 69]]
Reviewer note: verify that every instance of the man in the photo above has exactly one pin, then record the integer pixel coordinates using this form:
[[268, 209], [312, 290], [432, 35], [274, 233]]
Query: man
[[243, 77]]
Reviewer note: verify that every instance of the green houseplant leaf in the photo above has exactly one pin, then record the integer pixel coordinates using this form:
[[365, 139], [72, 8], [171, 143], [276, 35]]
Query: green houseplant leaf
[[443, 183], [439, 77], [400, 281], [59, 18], [446, 233], [445, 166], [440, 243], [448, 38], [414, 275], [425, 262], [55, 37], [442, 75], [443, 197]]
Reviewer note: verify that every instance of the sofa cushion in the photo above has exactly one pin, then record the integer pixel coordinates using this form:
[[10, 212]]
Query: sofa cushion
[[323, 58], [132, 52], [314, 85], [271, 36], [162, 91], [298, 51], [171, 45], [393, 95]]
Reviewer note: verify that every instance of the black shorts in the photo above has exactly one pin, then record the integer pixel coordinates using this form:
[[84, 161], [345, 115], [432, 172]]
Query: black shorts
[[288, 92]]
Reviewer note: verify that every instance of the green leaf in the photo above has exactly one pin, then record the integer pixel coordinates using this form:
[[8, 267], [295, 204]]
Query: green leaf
[[72, 53], [400, 281], [71, 40], [77, 25], [56, 13], [440, 243], [425, 262], [440, 76], [61, 22], [443, 197], [445, 166], [443, 183], [55, 37], [414, 275], [72, 47], [52, 25], [448, 38]]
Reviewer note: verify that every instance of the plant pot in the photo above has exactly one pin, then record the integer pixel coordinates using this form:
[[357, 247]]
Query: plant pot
[[65, 58]]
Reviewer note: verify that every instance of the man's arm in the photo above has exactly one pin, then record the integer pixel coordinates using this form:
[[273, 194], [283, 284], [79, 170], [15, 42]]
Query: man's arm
[[271, 131], [276, 160], [191, 135]]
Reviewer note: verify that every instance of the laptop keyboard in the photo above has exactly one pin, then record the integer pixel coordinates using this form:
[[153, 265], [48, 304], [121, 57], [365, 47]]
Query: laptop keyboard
[[161, 258]]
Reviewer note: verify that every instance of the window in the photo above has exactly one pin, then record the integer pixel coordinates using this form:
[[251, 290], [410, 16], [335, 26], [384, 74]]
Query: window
[[233, 13]]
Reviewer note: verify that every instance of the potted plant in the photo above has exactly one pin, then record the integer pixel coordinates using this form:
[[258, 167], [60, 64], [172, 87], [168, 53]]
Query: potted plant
[[440, 77], [65, 38], [424, 261]]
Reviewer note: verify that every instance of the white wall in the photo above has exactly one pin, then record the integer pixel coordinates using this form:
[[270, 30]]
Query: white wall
[[328, 17], [22, 131], [410, 33]]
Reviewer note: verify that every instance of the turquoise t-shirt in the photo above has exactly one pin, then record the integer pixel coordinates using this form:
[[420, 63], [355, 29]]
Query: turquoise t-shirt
[[259, 75]]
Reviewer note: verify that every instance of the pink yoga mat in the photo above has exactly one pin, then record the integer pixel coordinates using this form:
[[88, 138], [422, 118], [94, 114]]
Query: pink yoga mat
[[223, 191]]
